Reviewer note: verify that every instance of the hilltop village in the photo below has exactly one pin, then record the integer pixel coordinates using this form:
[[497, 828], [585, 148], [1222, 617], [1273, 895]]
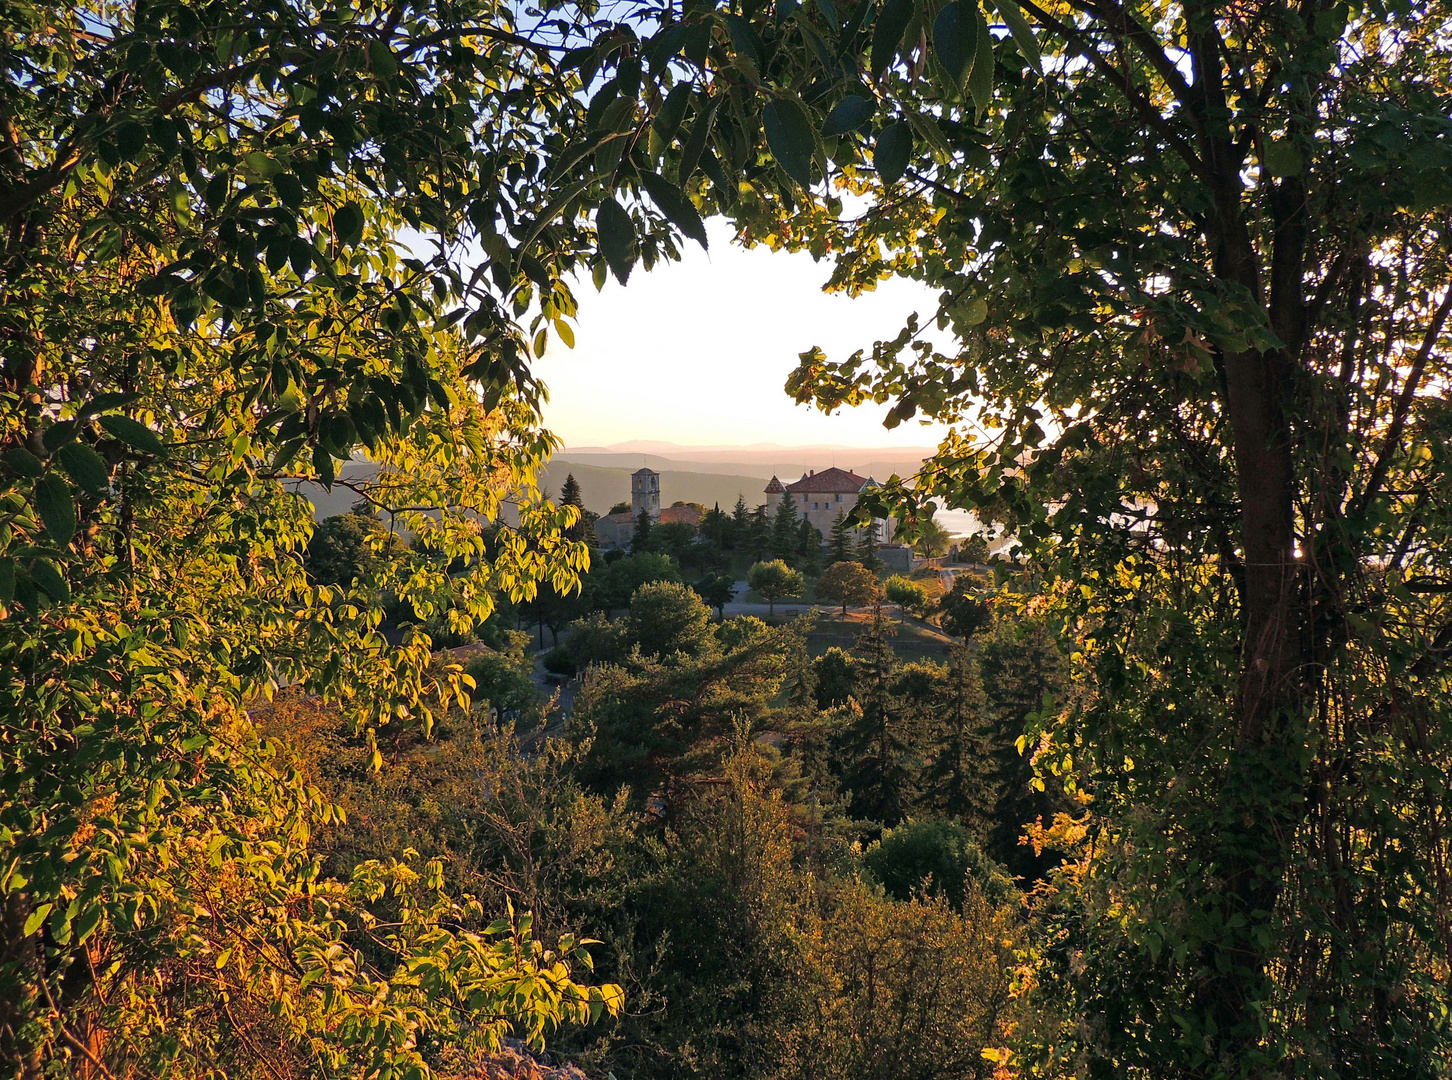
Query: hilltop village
[[820, 502]]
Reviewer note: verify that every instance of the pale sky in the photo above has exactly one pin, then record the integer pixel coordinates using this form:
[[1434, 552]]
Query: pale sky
[[697, 353]]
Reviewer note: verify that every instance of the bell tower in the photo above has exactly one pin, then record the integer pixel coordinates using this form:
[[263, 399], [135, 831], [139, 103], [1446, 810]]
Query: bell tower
[[645, 493]]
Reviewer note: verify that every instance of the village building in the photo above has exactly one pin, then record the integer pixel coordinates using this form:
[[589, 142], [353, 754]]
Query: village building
[[821, 496], [615, 530]]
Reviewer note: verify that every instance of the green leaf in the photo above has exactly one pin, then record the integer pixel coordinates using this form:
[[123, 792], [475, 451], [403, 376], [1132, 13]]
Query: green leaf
[[672, 111], [712, 167], [790, 136], [887, 34], [56, 506], [980, 81], [536, 272], [7, 579], [849, 114], [48, 577], [289, 189], [133, 433], [37, 917], [85, 467], [695, 146], [893, 151], [955, 39], [300, 254], [58, 434], [130, 139], [22, 461], [383, 61], [347, 224], [675, 206], [323, 463], [617, 238], [1282, 158], [1023, 36]]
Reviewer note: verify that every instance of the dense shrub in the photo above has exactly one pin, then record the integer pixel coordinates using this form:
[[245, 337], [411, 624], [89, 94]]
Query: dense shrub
[[939, 858]]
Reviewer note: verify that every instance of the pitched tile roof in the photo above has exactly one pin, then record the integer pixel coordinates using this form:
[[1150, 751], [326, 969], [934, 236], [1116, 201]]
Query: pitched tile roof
[[828, 481], [774, 488], [689, 514]]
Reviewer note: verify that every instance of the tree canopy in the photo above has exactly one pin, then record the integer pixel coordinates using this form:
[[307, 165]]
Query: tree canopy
[[1193, 278]]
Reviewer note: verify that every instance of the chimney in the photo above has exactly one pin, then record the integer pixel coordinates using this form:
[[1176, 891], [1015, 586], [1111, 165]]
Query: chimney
[[811, 472]]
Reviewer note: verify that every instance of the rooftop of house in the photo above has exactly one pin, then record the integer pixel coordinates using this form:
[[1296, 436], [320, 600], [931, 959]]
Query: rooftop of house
[[829, 482], [669, 515]]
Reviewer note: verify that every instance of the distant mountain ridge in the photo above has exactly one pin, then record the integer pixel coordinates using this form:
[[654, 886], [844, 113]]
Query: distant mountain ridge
[[758, 460]]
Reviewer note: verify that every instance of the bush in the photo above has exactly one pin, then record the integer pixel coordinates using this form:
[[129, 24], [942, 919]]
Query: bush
[[835, 672], [560, 661], [596, 640], [504, 677], [938, 856]]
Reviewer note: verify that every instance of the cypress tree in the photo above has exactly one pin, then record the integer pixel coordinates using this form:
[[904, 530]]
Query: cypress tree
[[715, 526], [641, 539]]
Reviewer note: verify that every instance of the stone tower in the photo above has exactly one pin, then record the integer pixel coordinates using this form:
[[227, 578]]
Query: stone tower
[[645, 493]]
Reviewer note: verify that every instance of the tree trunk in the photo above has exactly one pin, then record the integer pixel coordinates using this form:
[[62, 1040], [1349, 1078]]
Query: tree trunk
[[19, 954], [1260, 800]]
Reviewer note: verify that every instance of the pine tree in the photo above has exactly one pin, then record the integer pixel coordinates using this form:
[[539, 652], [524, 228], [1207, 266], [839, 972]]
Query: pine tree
[[758, 533], [961, 779], [809, 547], [584, 526], [570, 492], [867, 546], [873, 759], [1020, 664], [740, 523], [841, 543], [641, 540], [784, 532]]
